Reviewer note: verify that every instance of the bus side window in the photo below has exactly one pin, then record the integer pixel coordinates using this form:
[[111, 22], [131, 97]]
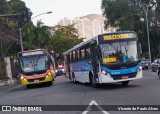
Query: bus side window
[[73, 56], [82, 53], [68, 58], [77, 55], [88, 53]]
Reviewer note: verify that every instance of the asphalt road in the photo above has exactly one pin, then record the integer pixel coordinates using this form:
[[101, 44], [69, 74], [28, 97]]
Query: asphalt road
[[145, 91]]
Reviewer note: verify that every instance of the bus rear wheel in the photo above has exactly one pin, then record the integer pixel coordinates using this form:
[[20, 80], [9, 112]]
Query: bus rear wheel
[[74, 79], [125, 83]]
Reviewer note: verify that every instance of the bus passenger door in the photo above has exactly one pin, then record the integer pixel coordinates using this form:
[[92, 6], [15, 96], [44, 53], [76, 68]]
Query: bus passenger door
[[94, 62]]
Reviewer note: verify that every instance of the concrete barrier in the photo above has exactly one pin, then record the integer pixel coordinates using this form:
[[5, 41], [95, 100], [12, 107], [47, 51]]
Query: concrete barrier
[[8, 82], [7, 79]]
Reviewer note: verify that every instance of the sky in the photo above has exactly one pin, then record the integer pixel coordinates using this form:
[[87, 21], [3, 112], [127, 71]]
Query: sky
[[61, 9]]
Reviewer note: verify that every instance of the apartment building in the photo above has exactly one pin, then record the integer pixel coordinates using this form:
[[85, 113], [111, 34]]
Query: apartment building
[[88, 26]]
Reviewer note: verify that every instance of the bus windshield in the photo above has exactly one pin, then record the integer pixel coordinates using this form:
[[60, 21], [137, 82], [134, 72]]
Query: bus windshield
[[34, 63], [119, 52]]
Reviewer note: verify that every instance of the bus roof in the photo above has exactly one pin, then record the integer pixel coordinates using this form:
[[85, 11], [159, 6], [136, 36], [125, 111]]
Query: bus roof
[[118, 32], [96, 38], [81, 44], [32, 52]]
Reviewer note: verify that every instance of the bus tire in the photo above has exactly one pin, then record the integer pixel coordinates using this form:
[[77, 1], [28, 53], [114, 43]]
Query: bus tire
[[74, 79], [125, 83], [28, 86], [50, 83], [95, 85]]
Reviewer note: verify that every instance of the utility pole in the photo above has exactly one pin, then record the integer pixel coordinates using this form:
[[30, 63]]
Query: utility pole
[[145, 10]]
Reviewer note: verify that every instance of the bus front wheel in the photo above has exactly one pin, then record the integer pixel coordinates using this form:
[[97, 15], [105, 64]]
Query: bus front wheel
[[125, 83], [28, 86], [50, 83], [92, 82]]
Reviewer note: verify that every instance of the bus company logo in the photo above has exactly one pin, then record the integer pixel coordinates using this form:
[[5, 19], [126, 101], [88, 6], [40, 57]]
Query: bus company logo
[[6, 108]]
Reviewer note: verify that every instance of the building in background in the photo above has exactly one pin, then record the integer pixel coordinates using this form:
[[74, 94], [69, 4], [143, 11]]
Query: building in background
[[88, 26]]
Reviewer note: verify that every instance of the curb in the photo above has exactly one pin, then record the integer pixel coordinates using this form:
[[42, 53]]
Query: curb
[[7, 82]]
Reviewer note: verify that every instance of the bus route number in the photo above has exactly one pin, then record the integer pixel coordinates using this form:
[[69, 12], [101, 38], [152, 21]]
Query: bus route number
[[109, 60]]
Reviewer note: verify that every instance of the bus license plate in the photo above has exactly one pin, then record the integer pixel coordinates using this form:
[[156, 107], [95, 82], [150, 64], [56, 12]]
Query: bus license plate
[[36, 80], [125, 77]]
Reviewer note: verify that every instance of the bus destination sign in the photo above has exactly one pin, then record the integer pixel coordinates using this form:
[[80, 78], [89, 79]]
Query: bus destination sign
[[32, 53], [119, 36]]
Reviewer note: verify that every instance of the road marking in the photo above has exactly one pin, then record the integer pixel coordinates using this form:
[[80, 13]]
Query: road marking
[[93, 102]]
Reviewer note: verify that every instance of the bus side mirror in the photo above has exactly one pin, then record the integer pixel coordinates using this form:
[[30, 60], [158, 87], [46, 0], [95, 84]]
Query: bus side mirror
[[17, 63], [17, 74]]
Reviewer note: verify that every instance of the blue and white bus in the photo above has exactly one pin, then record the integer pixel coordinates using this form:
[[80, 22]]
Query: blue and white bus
[[107, 58]]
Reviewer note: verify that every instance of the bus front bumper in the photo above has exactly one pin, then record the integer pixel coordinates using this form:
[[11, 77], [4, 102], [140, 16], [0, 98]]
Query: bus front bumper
[[111, 79], [25, 81]]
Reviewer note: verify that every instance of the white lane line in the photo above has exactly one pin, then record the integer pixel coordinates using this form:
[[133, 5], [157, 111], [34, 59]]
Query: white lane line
[[93, 102]]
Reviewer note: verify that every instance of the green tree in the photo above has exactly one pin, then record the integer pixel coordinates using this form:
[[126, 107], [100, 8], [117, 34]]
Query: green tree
[[38, 36], [126, 15], [64, 38], [9, 25]]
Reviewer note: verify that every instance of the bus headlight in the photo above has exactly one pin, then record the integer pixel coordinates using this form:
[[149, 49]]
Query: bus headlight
[[139, 69], [23, 78], [48, 75], [104, 72]]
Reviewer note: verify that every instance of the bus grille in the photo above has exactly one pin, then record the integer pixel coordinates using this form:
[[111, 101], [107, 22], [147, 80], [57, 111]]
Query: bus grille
[[119, 77]]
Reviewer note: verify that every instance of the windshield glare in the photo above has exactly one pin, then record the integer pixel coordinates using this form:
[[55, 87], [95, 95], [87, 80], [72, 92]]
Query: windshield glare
[[119, 52], [34, 63]]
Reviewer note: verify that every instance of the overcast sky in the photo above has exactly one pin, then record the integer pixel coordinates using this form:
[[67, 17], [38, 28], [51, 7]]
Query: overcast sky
[[62, 8]]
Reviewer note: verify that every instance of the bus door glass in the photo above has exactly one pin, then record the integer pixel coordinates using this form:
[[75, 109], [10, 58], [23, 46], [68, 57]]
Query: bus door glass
[[94, 61]]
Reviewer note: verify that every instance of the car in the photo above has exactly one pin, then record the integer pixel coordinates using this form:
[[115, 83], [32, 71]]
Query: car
[[145, 64], [155, 65], [60, 71]]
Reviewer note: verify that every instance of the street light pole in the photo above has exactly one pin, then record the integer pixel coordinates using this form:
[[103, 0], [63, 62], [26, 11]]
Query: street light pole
[[21, 28], [146, 16], [41, 14], [149, 49]]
